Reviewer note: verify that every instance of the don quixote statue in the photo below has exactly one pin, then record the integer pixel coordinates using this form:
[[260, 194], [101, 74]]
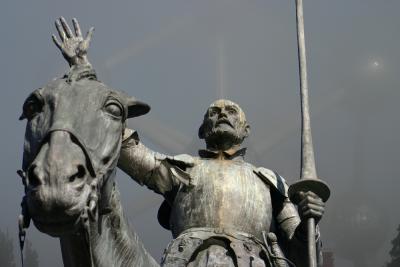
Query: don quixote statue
[[220, 209]]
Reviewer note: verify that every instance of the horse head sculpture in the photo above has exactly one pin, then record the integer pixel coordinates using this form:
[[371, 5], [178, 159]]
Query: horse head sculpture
[[72, 141]]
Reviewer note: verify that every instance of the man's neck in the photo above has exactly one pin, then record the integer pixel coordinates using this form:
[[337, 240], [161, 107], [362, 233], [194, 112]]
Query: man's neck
[[224, 148], [231, 153]]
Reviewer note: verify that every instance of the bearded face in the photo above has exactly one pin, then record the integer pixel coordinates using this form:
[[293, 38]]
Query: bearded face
[[224, 125]]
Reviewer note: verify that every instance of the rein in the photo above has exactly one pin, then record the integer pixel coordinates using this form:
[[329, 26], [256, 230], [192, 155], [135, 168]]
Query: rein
[[24, 219]]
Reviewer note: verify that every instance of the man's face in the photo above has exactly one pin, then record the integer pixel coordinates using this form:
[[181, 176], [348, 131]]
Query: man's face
[[224, 119]]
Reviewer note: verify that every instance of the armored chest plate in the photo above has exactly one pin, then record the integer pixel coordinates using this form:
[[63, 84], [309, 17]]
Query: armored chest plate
[[225, 194]]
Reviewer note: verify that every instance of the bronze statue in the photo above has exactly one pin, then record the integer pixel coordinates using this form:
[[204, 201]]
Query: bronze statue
[[72, 142], [221, 210]]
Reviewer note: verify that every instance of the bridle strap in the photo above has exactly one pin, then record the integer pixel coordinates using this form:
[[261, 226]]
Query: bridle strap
[[21, 237], [86, 229], [23, 220], [82, 145], [101, 205]]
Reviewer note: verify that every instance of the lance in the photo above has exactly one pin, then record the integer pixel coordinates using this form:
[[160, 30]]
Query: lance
[[308, 178]]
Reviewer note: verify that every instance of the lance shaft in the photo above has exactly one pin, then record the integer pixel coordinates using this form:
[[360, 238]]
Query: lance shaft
[[308, 178], [308, 169]]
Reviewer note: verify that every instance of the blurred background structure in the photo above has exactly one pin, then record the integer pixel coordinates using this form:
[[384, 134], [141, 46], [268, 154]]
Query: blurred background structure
[[180, 55]]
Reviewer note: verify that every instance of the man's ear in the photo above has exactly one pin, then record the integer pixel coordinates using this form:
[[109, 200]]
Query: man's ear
[[246, 130], [201, 131], [136, 108]]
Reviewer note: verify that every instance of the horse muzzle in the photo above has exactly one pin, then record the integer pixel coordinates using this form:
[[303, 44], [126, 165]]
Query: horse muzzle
[[58, 185]]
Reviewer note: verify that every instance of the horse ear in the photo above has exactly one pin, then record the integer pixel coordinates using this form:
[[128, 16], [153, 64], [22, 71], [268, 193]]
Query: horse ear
[[136, 108]]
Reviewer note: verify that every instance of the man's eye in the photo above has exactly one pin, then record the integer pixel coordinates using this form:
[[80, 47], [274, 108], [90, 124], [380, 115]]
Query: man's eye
[[212, 112], [232, 111], [114, 109], [32, 106]]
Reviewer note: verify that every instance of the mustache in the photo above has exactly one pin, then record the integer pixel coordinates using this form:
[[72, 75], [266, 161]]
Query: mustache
[[226, 121]]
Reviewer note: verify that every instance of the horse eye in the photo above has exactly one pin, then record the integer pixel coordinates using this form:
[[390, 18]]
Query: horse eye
[[114, 109], [32, 106]]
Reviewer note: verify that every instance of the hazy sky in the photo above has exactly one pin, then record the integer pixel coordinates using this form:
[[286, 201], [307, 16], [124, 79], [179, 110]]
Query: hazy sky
[[180, 55]]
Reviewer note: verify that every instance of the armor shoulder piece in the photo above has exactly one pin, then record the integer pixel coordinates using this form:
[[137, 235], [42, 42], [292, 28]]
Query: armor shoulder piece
[[178, 166], [183, 161], [274, 179], [129, 133]]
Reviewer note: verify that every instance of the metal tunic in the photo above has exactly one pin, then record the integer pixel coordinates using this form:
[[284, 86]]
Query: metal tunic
[[217, 193], [223, 194]]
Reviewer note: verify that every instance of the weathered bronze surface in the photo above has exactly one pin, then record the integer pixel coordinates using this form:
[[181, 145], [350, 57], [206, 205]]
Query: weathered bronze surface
[[222, 211], [309, 181], [219, 207], [72, 142]]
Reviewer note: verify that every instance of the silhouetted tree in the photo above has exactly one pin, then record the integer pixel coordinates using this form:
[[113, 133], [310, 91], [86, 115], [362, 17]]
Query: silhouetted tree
[[6, 250], [395, 251], [31, 256]]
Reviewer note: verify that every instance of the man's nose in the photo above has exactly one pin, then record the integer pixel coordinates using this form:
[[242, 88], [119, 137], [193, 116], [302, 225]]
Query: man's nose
[[223, 113]]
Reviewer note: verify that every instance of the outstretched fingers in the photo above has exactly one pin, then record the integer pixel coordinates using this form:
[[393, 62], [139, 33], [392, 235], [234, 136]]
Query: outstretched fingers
[[89, 35], [60, 30], [83, 46], [77, 28], [56, 42], [66, 28], [71, 43]]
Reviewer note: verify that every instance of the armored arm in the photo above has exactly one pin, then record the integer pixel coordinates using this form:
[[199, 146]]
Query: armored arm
[[155, 170], [291, 228], [294, 233]]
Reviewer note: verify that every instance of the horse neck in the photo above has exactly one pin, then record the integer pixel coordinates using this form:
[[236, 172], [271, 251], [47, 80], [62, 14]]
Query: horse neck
[[107, 242]]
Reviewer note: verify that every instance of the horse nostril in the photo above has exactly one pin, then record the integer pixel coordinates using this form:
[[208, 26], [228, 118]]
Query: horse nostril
[[81, 172], [33, 178]]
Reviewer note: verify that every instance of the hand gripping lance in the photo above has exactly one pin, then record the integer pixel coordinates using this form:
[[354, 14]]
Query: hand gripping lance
[[308, 179]]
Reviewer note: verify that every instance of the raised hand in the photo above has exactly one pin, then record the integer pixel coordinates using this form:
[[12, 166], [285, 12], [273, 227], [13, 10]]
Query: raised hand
[[73, 47]]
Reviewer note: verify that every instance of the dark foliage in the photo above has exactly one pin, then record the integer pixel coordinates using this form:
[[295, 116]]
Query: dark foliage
[[31, 256], [395, 251], [6, 250]]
